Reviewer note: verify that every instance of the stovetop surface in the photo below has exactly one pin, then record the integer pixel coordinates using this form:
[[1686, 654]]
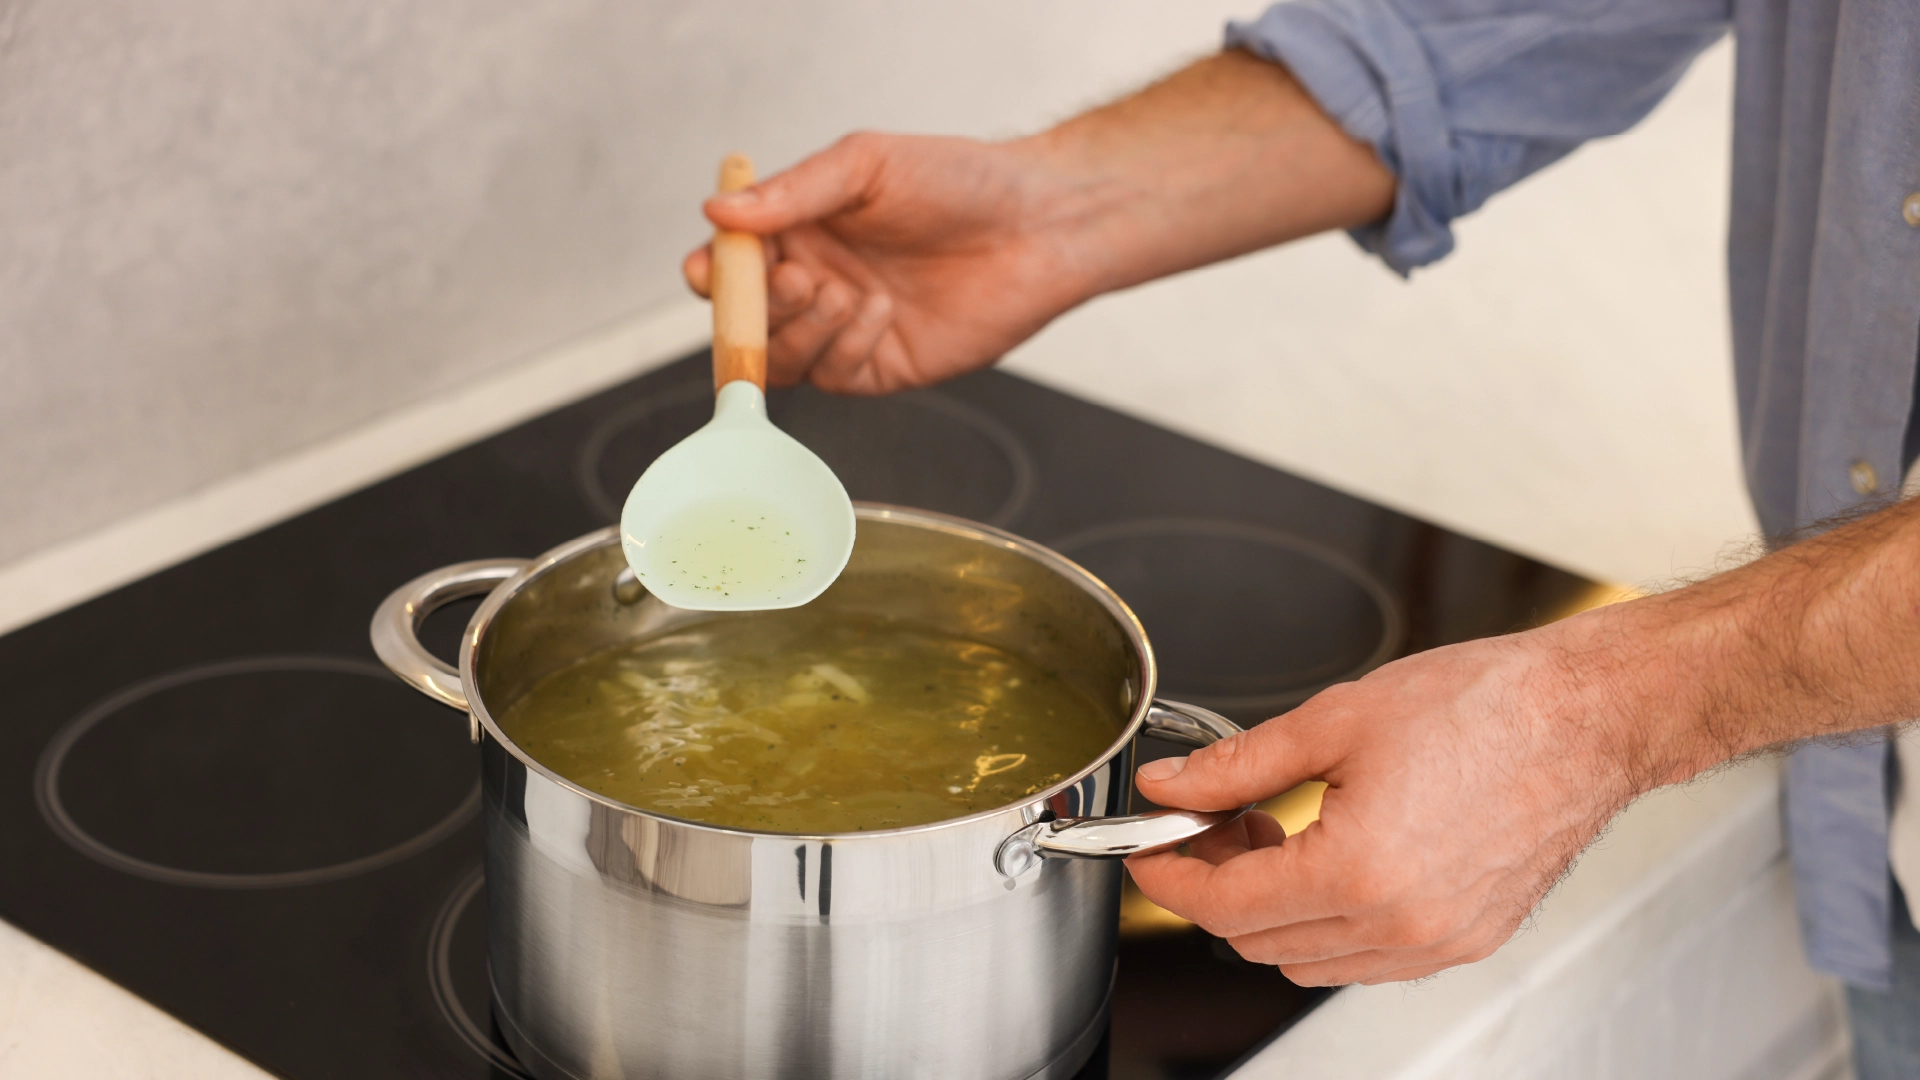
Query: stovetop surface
[[211, 793]]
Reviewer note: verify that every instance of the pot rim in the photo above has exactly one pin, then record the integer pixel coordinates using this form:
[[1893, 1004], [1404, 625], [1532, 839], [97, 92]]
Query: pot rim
[[863, 511]]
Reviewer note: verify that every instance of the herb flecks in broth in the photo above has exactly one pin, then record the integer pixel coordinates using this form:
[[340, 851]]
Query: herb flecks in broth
[[794, 721]]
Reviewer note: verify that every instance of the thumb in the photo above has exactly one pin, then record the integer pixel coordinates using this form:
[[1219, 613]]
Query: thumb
[[1253, 765], [824, 184]]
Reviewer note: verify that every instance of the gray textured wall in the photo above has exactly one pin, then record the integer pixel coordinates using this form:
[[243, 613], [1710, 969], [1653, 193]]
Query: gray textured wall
[[228, 229]]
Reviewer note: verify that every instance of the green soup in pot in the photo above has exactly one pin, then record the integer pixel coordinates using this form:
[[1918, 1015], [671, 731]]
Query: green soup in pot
[[810, 722]]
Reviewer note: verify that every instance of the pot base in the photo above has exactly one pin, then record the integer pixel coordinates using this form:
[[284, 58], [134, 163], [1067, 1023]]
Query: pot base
[[1075, 1056], [1070, 1061]]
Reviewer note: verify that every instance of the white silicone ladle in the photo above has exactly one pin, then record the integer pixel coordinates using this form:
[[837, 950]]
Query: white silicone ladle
[[739, 516]]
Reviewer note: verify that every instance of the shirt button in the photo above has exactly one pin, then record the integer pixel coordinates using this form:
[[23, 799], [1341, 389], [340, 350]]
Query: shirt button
[[1911, 209], [1865, 481]]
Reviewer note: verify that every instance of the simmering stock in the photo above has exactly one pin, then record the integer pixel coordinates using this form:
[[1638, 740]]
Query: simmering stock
[[796, 721]]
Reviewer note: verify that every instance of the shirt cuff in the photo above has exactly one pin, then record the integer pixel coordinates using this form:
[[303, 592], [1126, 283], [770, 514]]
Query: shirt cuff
[[1366, 67]]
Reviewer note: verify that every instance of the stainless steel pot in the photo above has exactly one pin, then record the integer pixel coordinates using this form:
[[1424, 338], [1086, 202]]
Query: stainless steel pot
[[625, 943]]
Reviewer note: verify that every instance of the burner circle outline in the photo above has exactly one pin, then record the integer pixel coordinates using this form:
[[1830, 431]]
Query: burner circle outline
[[1019, 461], [46, 784], [1393, 619], [440, 977]]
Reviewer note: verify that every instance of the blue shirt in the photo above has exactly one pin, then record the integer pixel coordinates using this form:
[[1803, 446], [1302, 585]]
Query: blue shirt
[[1463, 97]]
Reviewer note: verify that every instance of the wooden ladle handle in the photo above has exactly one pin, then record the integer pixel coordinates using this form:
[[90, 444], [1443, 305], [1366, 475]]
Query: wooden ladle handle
[[739, 292]]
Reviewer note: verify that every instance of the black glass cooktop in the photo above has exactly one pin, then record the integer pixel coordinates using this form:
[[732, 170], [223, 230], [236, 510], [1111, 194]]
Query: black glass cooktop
[[212, 794]]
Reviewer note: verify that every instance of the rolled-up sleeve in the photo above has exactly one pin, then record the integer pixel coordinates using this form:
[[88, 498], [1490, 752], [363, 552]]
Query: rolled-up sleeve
[[1462, 98]]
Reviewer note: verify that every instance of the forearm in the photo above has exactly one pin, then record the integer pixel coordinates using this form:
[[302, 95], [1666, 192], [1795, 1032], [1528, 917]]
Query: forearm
[[903, 260], [1818, 639], [1227, 156]]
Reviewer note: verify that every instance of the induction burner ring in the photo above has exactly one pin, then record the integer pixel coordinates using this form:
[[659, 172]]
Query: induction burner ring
[[1019, 463], [587, 466], [54, 810], [1020, 490], [1369, 612], [440, 975]]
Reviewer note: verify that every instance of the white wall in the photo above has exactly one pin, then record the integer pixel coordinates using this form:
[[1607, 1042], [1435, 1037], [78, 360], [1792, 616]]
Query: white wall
[[229, 230], [1561, 384]]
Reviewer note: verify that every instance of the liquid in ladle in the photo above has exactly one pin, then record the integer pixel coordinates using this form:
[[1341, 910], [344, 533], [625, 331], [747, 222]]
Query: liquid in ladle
[[728, 548]]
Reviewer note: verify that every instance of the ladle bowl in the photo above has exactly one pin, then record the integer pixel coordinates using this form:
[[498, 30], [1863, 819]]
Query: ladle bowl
[[739, 516]]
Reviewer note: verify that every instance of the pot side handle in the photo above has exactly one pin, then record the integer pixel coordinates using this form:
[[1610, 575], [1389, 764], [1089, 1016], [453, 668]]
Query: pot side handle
[[396, 627], [1118, 837]]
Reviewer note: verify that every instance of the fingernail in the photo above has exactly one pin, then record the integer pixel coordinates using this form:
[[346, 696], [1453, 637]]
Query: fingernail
[[739, 198], [1164, 769]]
